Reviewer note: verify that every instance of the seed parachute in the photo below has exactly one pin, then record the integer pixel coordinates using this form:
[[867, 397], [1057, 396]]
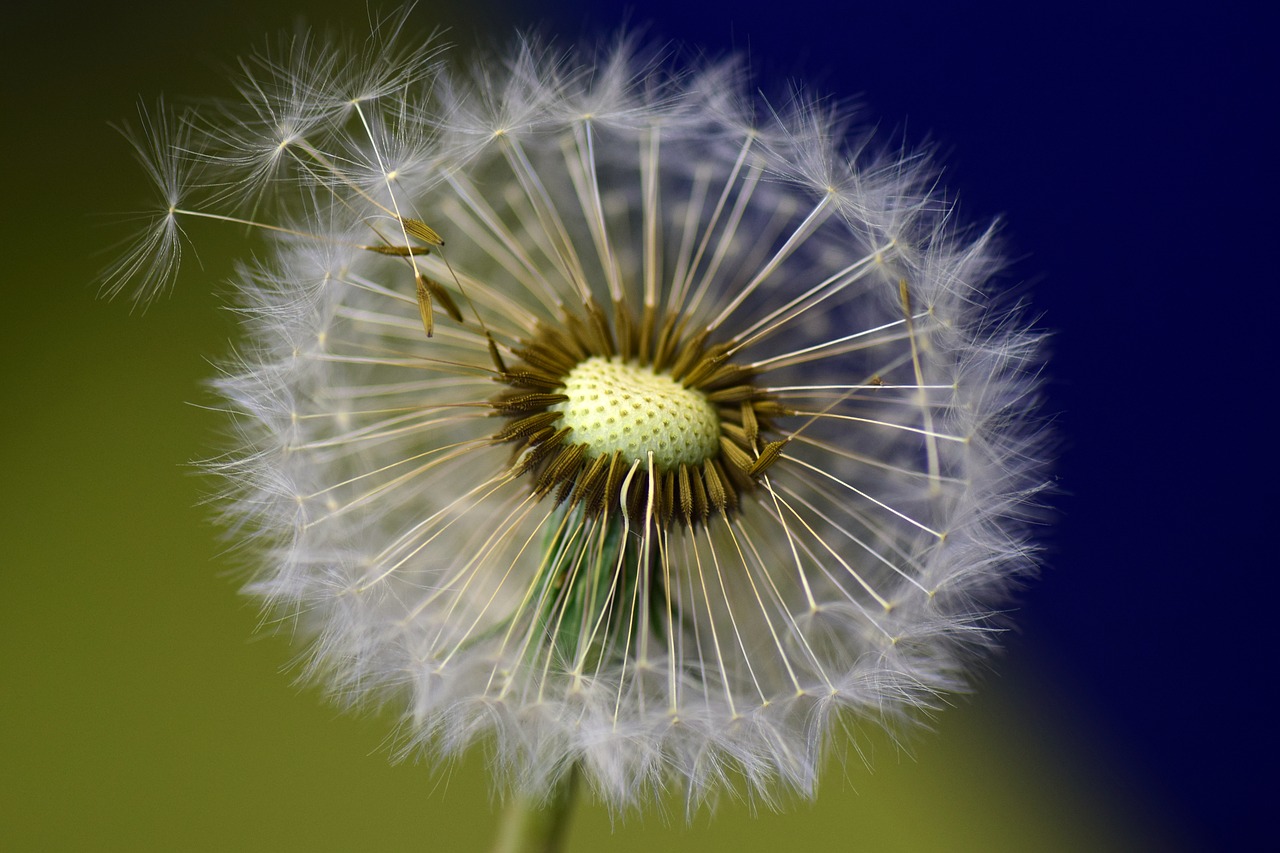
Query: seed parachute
[[594, 412]]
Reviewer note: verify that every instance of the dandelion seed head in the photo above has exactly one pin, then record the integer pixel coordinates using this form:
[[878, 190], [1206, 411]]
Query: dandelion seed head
[[595, 412]]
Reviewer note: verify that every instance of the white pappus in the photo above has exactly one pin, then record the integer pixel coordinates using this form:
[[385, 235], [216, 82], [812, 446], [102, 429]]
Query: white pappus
[[591, 410]]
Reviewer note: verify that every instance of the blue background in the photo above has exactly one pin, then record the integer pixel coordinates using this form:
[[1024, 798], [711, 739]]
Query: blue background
[[1126, 148]]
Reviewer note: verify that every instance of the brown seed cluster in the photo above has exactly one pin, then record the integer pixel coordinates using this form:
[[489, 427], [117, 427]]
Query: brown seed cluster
[[689, 492]]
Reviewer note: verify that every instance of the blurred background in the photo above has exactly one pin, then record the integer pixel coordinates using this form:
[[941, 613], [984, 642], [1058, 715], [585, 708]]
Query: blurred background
[[1124, 148]]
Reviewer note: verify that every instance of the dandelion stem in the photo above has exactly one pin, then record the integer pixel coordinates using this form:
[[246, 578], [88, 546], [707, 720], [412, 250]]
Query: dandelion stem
[[534, 824]]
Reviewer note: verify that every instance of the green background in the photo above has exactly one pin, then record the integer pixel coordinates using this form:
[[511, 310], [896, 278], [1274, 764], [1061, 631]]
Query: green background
[[139, 710]]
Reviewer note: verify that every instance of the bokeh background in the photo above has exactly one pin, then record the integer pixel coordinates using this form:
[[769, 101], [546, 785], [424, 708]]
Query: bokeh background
[[1122, 144]]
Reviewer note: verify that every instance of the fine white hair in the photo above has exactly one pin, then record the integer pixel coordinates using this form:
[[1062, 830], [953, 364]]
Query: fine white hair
[[858, 568]]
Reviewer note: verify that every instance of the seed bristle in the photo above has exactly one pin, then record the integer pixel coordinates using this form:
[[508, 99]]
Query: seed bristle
[[553, 361], [625, 330], [737, 457], [635, 498], [737, 433], [733, 394], [563, 467], [398, 251], [750, 426], [494, 355], [686, 494], [772, 409], [538, 447], [516, 403], [613, 482], [666, 509], [731, 484], [424, 307], [577, 329], [648, 319], [524, 427], [555, 338], [591, 484], [715, 488], [565, 490], [599, 327], [689, 354], [768, 456], [700, 505], [725, 375], [420, 230], [668, 338], [442, 296], [534, 379], [707, 364]]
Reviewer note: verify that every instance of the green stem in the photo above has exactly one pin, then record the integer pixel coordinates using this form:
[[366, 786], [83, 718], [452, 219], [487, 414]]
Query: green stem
[[536, 825]]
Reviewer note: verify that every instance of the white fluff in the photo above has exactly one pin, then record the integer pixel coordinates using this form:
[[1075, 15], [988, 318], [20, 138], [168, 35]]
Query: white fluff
[[385, 521]]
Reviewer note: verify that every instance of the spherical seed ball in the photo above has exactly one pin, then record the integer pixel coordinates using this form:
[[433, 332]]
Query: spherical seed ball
[[616, 406], [659, 652]]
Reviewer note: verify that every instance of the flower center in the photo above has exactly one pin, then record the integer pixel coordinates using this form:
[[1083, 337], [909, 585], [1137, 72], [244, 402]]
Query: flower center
[[627, 408], [590, 400]]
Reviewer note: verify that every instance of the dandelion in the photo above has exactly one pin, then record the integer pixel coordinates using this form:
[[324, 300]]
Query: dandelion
[[593, 412]]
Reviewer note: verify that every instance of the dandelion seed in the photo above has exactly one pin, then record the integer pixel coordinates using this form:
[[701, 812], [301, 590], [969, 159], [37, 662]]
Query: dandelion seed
[[592, 417], [151, 263]]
